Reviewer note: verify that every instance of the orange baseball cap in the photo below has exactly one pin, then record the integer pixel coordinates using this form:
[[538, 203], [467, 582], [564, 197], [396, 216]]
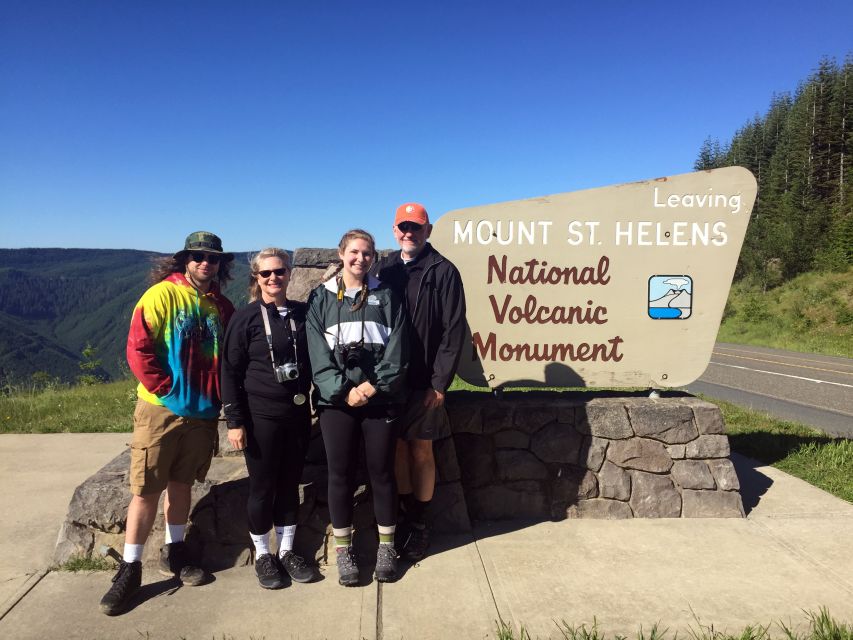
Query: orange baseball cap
[[411, 212]]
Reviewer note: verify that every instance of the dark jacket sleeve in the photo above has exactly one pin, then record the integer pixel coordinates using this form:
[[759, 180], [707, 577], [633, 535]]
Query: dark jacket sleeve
[[391, 370], [453, 339], [330, 381], [235, 360]]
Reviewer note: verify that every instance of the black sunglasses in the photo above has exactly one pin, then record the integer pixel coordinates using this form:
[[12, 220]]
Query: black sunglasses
[[266, 273], [198, 256], [407, 226]]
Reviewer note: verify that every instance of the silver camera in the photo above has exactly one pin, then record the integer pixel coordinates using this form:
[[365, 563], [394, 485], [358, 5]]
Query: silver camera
[[286, 372]]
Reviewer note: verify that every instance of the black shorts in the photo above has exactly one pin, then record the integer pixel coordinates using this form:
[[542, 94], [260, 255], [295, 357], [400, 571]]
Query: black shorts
[[422, 423]]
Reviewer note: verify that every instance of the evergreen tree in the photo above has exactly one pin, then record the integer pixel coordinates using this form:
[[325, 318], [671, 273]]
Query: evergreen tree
[[799, 152]]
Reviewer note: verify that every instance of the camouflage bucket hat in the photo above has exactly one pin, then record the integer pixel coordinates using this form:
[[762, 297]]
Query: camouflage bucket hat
[[205, 241]]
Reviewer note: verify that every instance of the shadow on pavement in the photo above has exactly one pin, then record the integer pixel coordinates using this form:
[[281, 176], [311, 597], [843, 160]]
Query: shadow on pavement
[[167, 587], [753, 483]]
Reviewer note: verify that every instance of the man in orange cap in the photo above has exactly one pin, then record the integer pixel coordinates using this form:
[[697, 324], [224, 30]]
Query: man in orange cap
[[432, 290]]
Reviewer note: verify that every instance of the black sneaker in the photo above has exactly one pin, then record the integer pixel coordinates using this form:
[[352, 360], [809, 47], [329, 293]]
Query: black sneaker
[[386, 563], [126, 583], [347, 567], [174, 562], [296, 567], [269, 575], [416, 545]]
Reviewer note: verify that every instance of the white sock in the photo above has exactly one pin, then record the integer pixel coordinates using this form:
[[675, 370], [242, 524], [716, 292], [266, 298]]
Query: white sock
[[285, 538], [262, 543], [175, 532], [132, 552]]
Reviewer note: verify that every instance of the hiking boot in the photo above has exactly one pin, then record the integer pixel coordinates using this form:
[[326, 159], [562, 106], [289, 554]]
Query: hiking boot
[[416, 545], [347, 568], [126, 583], [174, 562], [386, 563], [296, 567], [268, 572]]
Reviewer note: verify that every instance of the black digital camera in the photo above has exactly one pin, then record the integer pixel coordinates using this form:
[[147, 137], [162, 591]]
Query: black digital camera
[[351, 353]]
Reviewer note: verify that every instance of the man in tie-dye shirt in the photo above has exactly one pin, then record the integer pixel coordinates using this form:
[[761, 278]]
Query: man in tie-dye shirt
[[173, 349]]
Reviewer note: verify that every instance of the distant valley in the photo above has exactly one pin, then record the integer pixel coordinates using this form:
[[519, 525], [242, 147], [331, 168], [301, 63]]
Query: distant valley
[[53, 302]]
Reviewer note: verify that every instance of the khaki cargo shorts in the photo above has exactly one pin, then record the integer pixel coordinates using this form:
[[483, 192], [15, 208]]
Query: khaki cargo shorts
[[421, 423], [168, 447]]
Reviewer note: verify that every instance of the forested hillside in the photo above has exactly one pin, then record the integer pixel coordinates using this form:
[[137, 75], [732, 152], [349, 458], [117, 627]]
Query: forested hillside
[[53, 302], [800, 153]]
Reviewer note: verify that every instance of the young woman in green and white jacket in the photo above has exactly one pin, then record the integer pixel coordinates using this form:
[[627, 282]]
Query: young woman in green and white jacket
[[358, 348]]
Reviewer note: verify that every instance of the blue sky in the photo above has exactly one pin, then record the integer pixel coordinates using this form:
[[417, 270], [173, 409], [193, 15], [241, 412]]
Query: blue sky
[[130, 124]]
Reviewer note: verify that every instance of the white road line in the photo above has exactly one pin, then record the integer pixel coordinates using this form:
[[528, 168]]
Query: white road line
[[833, 360], [784, 375], [718, 352], [772, 397]]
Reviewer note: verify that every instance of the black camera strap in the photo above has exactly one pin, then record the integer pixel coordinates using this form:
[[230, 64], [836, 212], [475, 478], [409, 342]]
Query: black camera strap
[[268, 331]]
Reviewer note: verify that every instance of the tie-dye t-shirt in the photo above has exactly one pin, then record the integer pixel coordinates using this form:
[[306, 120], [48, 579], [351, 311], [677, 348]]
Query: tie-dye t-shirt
[[174, 346]]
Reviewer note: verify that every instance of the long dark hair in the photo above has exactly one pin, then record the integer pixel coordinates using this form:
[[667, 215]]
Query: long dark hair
[[164, 267]]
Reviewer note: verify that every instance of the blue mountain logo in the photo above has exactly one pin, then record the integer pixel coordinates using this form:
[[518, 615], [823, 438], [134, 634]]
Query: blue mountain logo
[[670, 297]]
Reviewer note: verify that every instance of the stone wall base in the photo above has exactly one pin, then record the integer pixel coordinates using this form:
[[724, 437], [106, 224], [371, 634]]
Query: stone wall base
[[539, 456], [543, 455]]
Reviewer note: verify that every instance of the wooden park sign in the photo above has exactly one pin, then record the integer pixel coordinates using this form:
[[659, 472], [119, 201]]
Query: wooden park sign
[[622, 286]]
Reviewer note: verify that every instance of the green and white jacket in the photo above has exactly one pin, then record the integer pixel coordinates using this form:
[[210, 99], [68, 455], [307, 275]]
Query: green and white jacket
[[379, 330]]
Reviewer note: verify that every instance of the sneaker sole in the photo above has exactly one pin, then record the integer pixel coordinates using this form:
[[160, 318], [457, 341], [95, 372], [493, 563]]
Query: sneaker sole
[[110, 611], [113, 612], [187, 583], [302, 580], [280, 585], [385, 578], [348, 582]]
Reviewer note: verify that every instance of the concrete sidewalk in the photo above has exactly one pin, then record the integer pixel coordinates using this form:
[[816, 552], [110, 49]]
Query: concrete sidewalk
[[790, 554], [38, 473]]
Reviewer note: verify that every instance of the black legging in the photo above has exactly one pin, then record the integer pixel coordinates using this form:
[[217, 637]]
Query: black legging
[[342, 429], [275, 454]]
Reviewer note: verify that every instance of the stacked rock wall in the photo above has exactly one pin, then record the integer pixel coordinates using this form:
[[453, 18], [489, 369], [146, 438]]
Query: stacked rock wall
[[310, 268], [543, 456]]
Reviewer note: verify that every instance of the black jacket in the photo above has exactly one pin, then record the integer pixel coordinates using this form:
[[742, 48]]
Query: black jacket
[[246, 367], [435, 301]]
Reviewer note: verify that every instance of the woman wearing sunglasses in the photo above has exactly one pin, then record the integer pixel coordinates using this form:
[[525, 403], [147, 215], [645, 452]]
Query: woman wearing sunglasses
[[265, 380], [358, 348]]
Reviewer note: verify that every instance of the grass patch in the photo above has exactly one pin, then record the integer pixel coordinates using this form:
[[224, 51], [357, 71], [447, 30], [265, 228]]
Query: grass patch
[[69, 409], [88, 563], [794, 448], [821, 626], [813, 313]]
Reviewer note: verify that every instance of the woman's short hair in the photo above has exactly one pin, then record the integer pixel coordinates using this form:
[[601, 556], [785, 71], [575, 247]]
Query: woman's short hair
[[255, 265]]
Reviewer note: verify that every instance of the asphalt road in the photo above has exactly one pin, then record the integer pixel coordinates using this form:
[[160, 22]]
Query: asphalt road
[[812, 389]]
